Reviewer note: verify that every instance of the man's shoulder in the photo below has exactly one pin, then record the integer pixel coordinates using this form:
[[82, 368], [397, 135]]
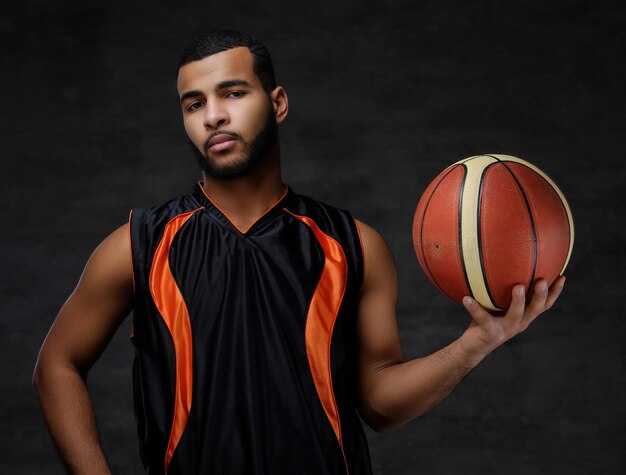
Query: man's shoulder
[[310, 204], [156, 216], [330, 218], [169, 208]]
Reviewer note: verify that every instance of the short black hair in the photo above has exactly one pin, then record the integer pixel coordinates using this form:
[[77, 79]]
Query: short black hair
[[211, 42]]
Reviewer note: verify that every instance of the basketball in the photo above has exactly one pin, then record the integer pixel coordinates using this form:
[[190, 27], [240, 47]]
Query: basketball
[[489, 222]]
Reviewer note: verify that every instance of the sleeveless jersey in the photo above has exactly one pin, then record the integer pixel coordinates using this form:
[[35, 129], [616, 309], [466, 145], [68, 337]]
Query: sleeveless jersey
[[245, 343]]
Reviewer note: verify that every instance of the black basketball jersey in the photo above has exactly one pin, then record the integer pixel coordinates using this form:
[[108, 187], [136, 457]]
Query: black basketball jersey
[[245, 343]]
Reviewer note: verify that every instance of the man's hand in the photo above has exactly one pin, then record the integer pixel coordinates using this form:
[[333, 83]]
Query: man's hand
[[487, 332]]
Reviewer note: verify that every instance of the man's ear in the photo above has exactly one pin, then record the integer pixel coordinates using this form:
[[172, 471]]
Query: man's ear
[[280, 103]]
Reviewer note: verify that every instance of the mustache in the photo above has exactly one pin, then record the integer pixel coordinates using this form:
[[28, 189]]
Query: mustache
[[230, 133]]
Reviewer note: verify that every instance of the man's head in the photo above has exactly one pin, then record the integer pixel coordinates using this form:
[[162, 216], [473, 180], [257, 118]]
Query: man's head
[[216, 41], [230, 104]]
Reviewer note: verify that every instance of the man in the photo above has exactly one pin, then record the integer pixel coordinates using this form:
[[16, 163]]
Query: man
[[263, 320]]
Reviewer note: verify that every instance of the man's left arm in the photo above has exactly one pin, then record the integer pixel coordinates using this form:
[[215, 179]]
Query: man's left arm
[[394, 391]]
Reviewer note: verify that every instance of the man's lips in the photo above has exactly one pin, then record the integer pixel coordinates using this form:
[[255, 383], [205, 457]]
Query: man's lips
[[221, 142]]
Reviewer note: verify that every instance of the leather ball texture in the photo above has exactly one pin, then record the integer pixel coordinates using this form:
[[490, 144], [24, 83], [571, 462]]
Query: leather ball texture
[[489, 222]]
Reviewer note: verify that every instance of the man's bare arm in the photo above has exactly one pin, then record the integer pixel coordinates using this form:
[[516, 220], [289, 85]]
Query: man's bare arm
[[81, 331], [394, 391]]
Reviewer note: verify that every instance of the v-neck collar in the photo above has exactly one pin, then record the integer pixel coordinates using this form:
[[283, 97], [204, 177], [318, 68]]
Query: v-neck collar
[[200, 195]]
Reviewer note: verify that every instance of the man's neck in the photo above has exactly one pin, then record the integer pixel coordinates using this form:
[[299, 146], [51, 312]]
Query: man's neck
[[244, 200]]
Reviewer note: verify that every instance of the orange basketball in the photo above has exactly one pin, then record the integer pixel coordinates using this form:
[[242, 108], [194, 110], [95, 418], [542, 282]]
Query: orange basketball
[[489, 222]]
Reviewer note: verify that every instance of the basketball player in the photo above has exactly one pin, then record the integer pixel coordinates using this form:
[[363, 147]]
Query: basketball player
[[262, 320]]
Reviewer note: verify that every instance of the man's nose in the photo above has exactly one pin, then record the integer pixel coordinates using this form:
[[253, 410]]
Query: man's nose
[[215, 115]]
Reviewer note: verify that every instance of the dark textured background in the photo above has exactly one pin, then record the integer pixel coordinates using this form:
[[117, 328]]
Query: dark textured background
[[382, 97]]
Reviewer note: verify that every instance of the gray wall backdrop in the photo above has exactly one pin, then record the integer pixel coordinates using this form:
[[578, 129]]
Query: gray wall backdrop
[[383, 95]]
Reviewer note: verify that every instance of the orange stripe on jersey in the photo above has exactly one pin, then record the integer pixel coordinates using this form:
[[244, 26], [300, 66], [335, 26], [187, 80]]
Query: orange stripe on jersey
[[169, 301], [320, 322]]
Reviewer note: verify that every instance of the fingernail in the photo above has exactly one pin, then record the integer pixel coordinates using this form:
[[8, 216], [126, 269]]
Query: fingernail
[[521, 291], [468, 300]]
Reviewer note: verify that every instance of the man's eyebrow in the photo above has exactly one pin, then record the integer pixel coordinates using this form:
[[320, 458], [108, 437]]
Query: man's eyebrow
[[189, 94], [232, 82]]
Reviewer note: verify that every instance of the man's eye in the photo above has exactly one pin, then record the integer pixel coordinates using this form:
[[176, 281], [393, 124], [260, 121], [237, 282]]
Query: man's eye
[[193, 106], [235, 94]]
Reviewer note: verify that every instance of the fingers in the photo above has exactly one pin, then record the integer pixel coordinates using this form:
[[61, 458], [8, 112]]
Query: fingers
[[513, 315], [478, 313], [488, 332], [520, 315], [555, 291], [536, 305], [518, 304], [538, 302], [543, 298]]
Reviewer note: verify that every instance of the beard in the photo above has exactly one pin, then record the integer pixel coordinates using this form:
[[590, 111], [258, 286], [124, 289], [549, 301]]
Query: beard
[[258, 150]]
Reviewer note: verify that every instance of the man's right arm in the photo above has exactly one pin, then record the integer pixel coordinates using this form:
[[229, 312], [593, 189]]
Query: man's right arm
[[80, 333]]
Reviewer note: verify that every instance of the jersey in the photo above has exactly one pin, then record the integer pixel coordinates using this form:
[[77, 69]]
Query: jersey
[[245, 342]]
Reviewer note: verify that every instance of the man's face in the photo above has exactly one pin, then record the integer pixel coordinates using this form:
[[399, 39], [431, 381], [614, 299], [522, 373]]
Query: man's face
[[228, 116]]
